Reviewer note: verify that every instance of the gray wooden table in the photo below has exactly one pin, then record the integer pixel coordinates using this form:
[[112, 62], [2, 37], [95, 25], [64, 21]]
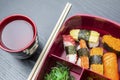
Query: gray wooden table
[[45, 14]]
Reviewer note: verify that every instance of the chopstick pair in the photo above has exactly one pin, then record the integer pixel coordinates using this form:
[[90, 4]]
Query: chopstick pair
[[45, 50]]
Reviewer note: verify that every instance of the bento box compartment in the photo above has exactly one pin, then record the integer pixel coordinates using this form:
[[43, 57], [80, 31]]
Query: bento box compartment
[[90, 75], [52, 60]]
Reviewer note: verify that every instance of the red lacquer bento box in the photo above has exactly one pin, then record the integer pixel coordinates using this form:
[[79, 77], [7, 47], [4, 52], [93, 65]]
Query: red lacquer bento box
[[57, 51]]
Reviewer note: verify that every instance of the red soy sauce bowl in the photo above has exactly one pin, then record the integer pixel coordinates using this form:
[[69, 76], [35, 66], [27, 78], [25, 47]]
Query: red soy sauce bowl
[[18, 36]]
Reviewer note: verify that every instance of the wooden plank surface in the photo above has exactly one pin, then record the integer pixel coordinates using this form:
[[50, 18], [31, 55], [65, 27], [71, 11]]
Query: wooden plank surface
[[45, 14]]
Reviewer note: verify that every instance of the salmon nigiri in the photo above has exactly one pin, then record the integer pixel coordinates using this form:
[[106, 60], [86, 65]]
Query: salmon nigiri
[[110, 66]]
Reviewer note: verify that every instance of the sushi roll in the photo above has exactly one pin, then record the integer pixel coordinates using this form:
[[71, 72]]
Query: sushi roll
[[91, 36], [111, 44], [93, 39], [83, 55], [110, 66], [96, 63], [69, 45]]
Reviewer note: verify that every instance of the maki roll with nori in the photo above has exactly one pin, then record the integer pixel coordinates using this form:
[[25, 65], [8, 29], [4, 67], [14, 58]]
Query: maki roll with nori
[[96, 63], [89, 35], [111, 43], [83, 55], [69, 45]]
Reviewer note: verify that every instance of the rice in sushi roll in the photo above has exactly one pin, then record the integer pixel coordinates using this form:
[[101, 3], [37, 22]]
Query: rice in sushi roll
[[69, 45], [93, 39]]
